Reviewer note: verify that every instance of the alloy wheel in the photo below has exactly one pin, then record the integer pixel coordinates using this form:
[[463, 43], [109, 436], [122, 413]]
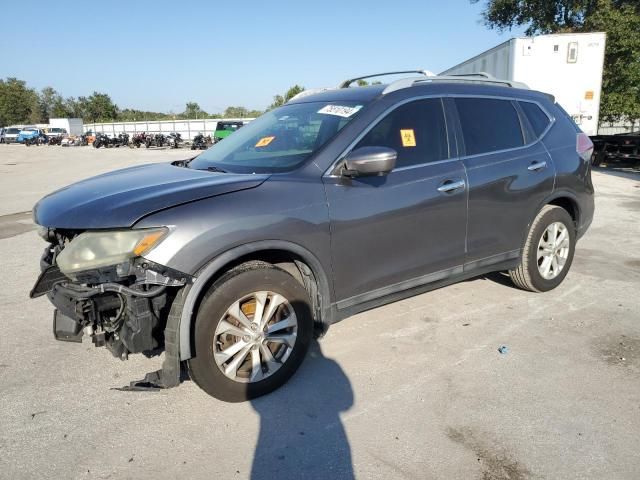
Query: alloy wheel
[[553, 250], [255, 337]]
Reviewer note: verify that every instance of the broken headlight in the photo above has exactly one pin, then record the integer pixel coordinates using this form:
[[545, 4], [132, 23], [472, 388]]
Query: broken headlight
[[91, 250]]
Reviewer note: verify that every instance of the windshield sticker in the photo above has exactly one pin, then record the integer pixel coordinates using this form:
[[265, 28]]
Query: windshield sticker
[[339, 110], [408, 138], [264, 141]]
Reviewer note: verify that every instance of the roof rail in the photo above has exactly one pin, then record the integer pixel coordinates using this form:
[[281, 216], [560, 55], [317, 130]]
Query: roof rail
[[427, 76], [480, 77], [346, 83]]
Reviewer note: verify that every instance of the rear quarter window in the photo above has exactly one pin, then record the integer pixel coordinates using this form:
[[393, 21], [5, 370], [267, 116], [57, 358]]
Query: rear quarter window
[[489, 125], [537, 118]]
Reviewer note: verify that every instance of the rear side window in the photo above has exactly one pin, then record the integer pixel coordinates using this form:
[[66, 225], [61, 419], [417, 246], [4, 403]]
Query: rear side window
[[489, 125], [537, 118], [416, 130]]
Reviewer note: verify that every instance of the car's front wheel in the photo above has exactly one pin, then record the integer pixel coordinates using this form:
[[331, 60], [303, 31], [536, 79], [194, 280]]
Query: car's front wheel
[[252, 332], [548, 251]]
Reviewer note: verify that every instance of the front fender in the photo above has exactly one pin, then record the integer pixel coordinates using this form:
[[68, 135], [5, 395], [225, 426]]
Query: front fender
[[215, 266]]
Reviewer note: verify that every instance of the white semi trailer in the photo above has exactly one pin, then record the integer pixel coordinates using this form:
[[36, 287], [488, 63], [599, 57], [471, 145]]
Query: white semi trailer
[[568, 66]]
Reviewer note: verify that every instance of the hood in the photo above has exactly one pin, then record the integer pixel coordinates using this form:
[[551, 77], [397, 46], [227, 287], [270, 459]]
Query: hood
[[121, 198]]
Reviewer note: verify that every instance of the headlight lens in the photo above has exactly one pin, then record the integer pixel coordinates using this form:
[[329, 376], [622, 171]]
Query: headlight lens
[[91, 250]]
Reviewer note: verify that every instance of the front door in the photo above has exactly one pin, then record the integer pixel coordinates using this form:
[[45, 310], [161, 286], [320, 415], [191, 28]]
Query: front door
[[405, 229]]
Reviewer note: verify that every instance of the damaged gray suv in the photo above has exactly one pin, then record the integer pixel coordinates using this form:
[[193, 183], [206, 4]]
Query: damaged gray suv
[[335, 203]]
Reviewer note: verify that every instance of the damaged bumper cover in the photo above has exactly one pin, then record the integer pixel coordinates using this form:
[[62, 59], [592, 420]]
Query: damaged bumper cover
[[130, 314]]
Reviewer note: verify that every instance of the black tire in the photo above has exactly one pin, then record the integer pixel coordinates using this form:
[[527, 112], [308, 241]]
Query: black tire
[[239, 282], [527, 275]]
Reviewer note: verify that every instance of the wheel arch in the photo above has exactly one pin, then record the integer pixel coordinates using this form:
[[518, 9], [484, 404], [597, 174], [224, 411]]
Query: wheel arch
[[563, 199], [289, 256], [560, 198], [569, 202]]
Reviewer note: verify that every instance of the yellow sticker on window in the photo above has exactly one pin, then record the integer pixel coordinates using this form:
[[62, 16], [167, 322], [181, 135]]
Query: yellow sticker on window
[[408, 138], [264, 141], [588, 95]]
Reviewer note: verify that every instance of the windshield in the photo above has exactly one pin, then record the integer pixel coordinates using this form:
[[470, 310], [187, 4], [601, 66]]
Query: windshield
[[12, 130], [279, 140]]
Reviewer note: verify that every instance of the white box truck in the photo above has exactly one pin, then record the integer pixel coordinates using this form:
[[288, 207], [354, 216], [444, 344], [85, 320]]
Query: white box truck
[[73, 126], [567, 65]]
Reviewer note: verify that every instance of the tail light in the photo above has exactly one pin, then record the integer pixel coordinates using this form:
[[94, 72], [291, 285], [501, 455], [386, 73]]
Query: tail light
[[584, 146]]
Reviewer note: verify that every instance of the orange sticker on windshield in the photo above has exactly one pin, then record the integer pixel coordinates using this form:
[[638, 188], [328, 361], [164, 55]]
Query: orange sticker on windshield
[[264, 141], [408, 138]]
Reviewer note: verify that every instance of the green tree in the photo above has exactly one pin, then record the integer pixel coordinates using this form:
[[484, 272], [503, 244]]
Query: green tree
[[52, 104], [193, 110], [76, 108], [620, 19], [280, 100], [16, 101], [235, 112], [98, 108], [132, 115]]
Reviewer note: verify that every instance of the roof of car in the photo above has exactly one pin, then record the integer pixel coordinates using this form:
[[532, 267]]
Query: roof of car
[[439, 87]]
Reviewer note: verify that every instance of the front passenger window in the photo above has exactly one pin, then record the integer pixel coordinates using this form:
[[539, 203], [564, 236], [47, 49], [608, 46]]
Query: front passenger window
[[416, 131]]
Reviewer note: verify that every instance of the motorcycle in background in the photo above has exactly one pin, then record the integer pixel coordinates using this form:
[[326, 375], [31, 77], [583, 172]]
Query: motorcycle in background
[[57, 140], [121, 140], [138, 139], [157, 140], [200, 142], [101, 141], [173, 140], [41, 139]]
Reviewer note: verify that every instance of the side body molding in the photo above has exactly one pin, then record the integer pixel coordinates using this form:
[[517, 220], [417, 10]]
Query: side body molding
[[203, 277]]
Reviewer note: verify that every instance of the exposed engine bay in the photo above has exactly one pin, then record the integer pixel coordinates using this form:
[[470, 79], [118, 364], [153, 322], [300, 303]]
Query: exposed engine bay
[[123, 307]]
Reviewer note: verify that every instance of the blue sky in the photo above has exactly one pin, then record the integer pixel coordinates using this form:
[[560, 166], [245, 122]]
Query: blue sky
[[157, 55]]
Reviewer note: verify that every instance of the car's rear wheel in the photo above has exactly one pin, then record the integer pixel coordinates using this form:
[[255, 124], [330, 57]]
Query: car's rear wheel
[[252, 332], [548, 251]]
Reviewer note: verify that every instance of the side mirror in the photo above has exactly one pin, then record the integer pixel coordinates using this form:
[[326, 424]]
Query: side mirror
[[368, 161]]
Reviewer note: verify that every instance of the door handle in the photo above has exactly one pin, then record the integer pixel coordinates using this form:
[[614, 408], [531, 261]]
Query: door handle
[[450, 186], [535, 166]]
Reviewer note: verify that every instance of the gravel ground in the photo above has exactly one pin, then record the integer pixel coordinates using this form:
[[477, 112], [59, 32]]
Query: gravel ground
[[415, 389]]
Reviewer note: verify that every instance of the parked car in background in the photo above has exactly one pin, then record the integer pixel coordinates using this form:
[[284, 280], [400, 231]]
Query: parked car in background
[[11, 134], [55, 132], [32, 136], [224, 129], [333, 204]]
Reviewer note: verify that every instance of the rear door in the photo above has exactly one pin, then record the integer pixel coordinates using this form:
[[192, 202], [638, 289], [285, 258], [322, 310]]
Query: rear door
[[509, 172], [407, 228]]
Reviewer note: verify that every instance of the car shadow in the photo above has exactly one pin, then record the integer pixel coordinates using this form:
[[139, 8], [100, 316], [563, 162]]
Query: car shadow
[[501, 278], [301, 433]]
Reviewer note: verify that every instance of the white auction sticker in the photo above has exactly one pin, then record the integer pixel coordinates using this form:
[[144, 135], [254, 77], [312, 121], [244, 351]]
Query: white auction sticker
[[339, 110]]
